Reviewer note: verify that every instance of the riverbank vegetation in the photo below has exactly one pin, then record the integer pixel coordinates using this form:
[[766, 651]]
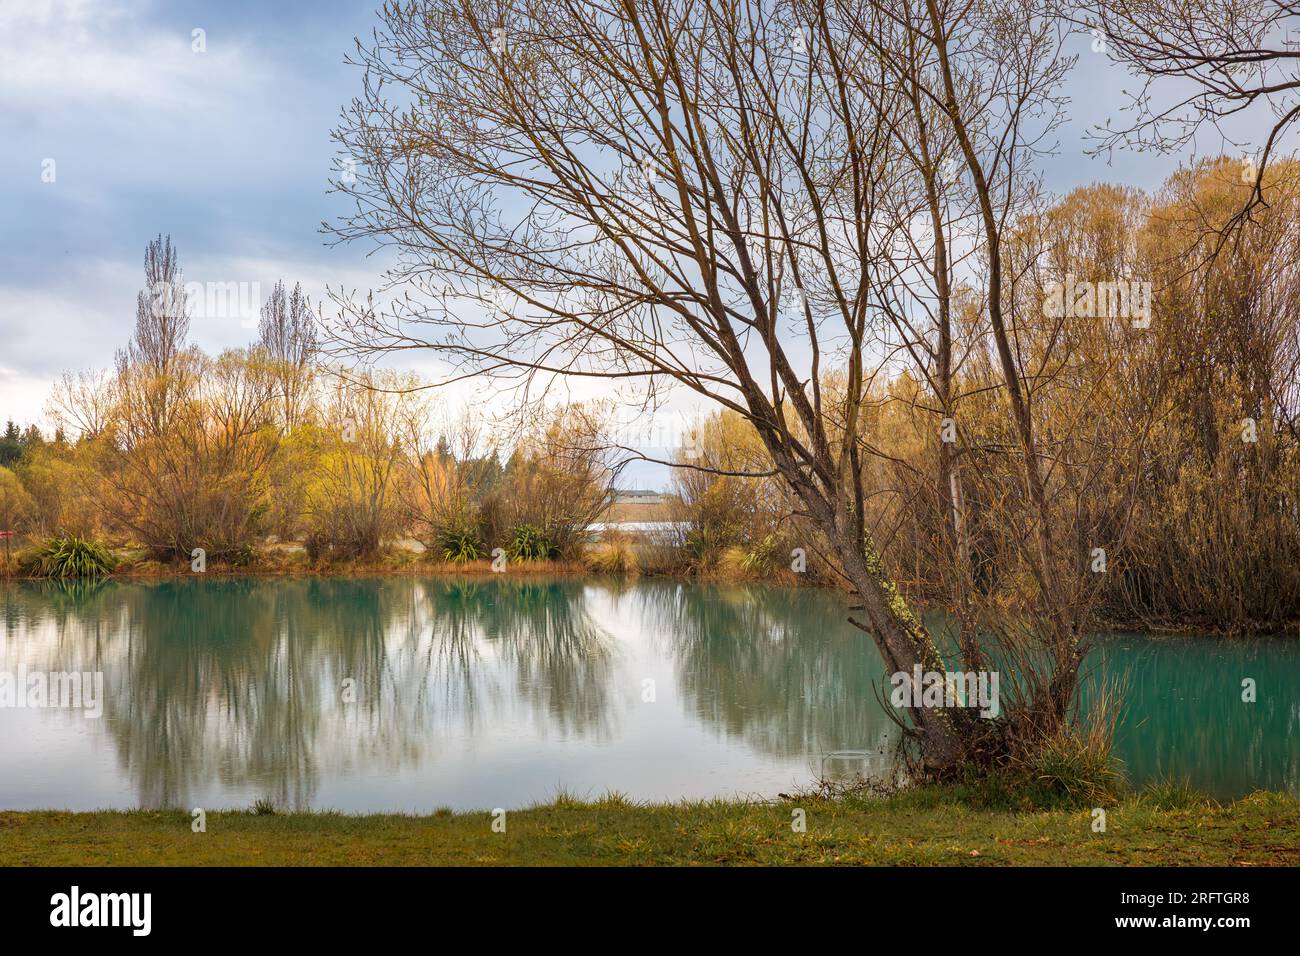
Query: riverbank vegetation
[[243, 459], [928, 827], [1175, 451]]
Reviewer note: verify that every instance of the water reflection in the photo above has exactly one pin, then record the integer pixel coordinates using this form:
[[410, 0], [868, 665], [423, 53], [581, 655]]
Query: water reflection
[[403, 693], [775, 667]]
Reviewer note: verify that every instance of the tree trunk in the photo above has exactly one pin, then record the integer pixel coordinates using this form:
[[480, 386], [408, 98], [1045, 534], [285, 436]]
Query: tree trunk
[[902, 640]]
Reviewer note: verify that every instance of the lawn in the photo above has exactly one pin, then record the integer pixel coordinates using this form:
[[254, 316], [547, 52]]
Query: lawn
[[920, 828]]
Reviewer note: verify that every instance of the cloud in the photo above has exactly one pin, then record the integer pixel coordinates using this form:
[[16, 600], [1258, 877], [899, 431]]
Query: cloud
[[22, 397], [62, 52], [69, 325], [79, 318]]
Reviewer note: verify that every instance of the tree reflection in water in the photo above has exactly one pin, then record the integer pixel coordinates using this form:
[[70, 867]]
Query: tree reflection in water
[[234, 689], [243, 680], [750, 664]]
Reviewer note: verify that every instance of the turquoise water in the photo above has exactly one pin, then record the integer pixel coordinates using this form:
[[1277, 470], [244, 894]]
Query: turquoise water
[[404, 693]]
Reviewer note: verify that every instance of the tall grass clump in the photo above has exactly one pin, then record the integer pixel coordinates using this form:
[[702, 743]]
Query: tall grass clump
[[1076, 767], [1172, 793], [529, 543], [68, 556], [762, 555], [614, 554], [1075, 764], [461, 544]]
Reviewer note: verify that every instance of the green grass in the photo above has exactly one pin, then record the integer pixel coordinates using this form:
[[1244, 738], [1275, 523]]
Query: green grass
[[925, 827]]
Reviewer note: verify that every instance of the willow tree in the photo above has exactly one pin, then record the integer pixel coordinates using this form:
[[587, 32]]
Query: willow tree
[[684, 193]]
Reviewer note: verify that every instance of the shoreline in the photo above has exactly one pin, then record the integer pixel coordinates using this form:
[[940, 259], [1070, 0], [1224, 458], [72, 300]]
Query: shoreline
[[410, 563]]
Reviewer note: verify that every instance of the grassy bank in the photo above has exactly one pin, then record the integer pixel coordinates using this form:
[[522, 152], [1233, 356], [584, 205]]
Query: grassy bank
[[924, 827]]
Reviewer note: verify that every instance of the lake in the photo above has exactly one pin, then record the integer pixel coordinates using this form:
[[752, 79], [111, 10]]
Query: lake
[[408, 694]]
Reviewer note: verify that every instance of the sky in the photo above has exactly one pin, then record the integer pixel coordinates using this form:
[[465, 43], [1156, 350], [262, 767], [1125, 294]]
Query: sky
[[227, 149]]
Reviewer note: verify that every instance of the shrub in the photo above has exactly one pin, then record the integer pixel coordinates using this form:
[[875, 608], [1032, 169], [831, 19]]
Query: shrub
[[241, 556], [352, 500], [69, 556], [761, 557], [187, 462], [529, 543], [17, 509], [614, 555], [461, 544], [557, 481], [704, 546], [731, 564]]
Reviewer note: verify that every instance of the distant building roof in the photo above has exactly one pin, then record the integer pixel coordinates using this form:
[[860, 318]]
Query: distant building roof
[[639, 495]]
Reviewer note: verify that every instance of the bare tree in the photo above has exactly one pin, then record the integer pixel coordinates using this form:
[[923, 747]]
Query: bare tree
[[83, 402], [684, 194], [1201, 63], [997, 68], [287, 336], [162, 322], [932, 281], [162, 319]]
